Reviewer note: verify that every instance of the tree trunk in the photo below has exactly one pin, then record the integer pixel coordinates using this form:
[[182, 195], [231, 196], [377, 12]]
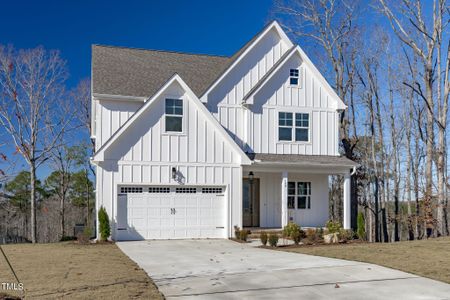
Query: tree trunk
[[33, 201], [63, 200], [429, 221]]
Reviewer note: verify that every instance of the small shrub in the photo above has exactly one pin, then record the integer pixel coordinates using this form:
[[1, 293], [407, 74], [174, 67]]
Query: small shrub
[[273, 239], [311, 235], [104, 228], [345, 235], [296, 237], [289, 229], [237, 232], [263, 238], [84, 237], [361, 229], [243, 235], [333, 226]]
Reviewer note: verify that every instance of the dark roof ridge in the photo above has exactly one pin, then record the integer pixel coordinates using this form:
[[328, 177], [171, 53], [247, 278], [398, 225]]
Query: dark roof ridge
[[159, 50]]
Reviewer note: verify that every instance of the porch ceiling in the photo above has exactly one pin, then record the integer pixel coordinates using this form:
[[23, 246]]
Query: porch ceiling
[[301, 163]]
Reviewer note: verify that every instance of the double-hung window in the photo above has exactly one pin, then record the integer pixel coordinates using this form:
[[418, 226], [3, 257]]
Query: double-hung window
[[174, 115], [285, 126], [293, 130], [299, 195], [294, 77], [302, 127]]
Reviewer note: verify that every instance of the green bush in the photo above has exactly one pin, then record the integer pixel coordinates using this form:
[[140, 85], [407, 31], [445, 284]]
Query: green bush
[[290, 228], [243, 235], [104, 228], [263, 238], [273, 239], [333, 227], [361, 229], [296, 237]]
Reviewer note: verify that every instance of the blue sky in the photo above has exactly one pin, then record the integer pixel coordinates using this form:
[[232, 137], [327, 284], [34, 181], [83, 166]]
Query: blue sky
[[72, 26]]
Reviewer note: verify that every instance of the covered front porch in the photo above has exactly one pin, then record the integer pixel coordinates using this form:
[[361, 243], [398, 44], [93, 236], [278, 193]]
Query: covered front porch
[[278, 189]]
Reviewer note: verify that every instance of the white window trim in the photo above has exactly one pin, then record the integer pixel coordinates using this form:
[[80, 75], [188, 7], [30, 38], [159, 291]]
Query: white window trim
[[183, 116], [293, 141], [300, 79], [297, 195]]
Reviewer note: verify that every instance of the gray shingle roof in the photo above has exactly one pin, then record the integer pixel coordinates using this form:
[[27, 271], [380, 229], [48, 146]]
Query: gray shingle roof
[[138, 72], [324, 160]]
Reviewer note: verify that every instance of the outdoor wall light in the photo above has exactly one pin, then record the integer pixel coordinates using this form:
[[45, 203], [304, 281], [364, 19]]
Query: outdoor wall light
[[250, 176], [174, 173]]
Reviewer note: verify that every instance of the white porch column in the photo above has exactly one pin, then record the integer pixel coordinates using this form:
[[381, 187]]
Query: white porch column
[[284, 196], [347, 206]]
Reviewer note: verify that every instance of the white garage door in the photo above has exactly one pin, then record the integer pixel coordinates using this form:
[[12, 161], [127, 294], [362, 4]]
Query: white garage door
[[160, 212]]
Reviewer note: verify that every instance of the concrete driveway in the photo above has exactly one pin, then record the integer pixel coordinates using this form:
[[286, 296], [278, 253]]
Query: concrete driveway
[[222, 269]]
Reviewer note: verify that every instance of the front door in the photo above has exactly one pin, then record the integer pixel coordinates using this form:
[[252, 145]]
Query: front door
[[250, 203]]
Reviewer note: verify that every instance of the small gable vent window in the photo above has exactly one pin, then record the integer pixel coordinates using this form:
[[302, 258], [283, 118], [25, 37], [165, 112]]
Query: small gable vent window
[[174, 115], [294, 77]]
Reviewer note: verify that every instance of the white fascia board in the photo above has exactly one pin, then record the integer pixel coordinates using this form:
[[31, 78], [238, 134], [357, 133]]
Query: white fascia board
[[273, 25], [99, 155], [118, 97]]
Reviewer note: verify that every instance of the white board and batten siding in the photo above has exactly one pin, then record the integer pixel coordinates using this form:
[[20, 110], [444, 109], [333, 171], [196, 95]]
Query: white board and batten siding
[[111, 115], [225, 101], [257, 127], [309, 97], [145, 154]]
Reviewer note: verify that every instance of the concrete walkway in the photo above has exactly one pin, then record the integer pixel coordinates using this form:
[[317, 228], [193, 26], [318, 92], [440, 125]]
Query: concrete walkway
[[222, 269]]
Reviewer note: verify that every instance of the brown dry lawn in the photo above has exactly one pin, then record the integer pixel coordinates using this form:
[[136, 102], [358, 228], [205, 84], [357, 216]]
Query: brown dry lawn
[[72, 271], [428, 258]]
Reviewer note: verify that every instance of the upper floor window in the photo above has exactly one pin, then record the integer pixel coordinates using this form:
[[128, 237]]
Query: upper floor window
[[294, 77], [302, 127], [290, 131], [174, 115], [285, 126]]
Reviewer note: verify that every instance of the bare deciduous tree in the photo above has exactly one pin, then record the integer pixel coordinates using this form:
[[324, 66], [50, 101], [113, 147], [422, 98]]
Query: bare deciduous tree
[[31, 85], [424, 36]]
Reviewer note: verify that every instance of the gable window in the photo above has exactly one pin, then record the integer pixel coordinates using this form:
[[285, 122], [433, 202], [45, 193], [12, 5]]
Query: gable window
[[174, 115], [294, 77], [302, 127], [285, 126], [290, 131], [300, 191]]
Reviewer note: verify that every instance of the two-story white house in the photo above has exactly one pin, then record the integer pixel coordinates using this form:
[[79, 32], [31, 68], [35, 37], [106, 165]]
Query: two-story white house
[[189, 145]]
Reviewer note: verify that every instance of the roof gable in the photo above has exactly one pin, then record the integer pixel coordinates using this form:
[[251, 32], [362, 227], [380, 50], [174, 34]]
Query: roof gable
[[248, 98], [238, 56], [100, 154]]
